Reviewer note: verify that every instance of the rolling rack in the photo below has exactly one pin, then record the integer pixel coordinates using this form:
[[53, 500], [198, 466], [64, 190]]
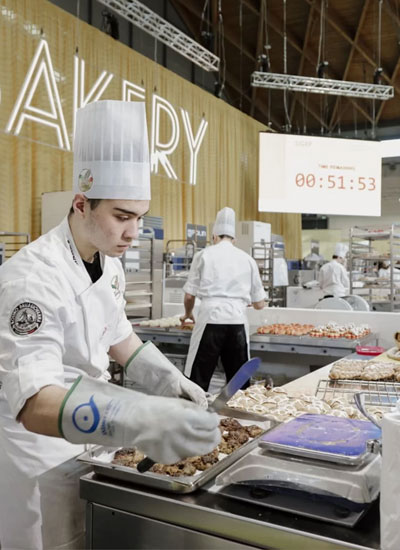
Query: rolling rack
[[138, 267], [368, 246], [267, 256], [177, 260]]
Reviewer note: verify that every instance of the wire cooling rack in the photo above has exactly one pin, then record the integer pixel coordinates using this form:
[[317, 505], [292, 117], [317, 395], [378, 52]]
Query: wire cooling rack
[[383, 394]]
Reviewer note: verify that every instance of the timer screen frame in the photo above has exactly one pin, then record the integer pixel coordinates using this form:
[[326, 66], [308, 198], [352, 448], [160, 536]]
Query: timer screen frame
[[319, 175]]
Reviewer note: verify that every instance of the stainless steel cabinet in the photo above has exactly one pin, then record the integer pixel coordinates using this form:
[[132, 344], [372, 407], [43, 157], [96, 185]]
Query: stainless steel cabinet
[[111, 528]]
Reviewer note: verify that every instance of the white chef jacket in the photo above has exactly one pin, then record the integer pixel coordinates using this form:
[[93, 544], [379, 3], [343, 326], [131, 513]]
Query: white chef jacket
[[55, 324], [225, 271], [227, 280], [333, 279], [385, 273]]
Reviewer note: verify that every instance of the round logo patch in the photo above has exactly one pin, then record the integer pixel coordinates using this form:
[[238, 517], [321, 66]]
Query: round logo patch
[[26, 318], [85, 180]]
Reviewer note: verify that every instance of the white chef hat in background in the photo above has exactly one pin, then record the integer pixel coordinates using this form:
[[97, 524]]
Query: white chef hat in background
[[225, 223], [111, 151], [341, 250]]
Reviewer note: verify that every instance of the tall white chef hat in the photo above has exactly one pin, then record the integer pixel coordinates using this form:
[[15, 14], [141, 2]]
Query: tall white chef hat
[[225, 223], [341, 250], [111, 151]]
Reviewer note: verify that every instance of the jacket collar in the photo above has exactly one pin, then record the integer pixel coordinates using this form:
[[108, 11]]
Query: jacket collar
[[77, 273]]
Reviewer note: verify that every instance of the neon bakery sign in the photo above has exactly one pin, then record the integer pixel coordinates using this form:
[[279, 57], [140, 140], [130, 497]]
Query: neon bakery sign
[[41, 72]]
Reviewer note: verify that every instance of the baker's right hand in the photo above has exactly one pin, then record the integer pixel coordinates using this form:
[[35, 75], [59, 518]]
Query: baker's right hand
[[165, 428], [173, 429], [187, 318]]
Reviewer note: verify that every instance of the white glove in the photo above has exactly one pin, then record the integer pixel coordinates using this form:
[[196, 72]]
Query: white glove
[[152, 370], [163, 428]]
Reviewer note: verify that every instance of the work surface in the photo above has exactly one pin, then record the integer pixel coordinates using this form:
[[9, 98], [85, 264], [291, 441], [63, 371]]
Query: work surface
[[266, 342], [208, 512], [214, 514]]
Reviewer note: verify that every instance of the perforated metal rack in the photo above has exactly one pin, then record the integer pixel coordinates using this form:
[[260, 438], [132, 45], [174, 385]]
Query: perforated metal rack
[[377, 393], [13, 242]]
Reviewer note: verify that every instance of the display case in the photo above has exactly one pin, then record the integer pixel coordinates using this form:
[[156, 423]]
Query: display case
[[271, 262], [370, 249]]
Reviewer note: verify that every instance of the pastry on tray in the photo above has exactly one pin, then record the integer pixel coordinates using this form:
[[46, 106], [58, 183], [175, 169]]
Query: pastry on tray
[[234, 435]]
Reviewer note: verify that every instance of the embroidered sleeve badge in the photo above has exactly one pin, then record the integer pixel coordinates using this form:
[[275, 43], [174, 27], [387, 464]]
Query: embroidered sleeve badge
[[26, 318], [115, 286]]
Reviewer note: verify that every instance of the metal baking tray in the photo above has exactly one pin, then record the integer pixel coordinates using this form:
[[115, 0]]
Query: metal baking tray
[[100, 457]]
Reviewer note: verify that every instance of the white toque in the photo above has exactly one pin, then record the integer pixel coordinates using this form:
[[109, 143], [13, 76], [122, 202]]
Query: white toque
[[111, 151], [341, 250], [225, 223]]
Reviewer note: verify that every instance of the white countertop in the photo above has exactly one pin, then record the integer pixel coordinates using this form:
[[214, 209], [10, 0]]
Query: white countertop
[[308, 383]]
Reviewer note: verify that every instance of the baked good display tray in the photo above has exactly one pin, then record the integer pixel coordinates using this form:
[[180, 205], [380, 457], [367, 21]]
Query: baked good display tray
[[101, 459]]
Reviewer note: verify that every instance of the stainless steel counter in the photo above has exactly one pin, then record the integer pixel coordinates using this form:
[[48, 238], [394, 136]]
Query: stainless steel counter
[[127, 516], [123, 515], [267, 342], [163, 336], [332, 347]]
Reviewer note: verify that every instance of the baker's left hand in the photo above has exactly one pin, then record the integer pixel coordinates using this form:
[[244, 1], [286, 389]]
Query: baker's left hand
[[192, 391], [155, 372]]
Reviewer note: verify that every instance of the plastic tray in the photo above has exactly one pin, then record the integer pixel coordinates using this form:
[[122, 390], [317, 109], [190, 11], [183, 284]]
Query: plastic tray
[[323, 437], [370, 350]]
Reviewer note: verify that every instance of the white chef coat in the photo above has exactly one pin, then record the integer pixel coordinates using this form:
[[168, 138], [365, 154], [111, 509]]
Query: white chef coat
[[227, 280], [385, 273], [333, 279], [55, 324]]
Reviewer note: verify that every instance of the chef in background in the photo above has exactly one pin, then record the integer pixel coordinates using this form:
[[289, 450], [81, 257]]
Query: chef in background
[[62, 314], [384, 270], [226, 280], [332, 277]]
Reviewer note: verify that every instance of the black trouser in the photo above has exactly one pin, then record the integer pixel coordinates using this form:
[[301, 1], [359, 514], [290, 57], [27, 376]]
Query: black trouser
[[225, 341]]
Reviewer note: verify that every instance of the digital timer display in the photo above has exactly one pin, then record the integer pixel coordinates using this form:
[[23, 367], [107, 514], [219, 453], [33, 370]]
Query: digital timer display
[[361, 183], [319, 175]]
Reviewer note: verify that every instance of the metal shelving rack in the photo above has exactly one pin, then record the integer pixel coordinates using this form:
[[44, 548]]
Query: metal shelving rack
[[176, 267], [138, 266], [265, 254], [178, 263], [11, 242], [382, 294]]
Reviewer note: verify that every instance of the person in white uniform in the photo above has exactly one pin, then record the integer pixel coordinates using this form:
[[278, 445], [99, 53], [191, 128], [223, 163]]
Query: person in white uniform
[[332, 277], [226, 280], [62, 316]]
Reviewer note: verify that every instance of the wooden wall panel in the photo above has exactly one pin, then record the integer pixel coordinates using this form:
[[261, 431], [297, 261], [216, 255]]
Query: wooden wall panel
[[33, 163]]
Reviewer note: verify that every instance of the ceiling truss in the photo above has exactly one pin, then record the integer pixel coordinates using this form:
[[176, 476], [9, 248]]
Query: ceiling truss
[[356, 37]]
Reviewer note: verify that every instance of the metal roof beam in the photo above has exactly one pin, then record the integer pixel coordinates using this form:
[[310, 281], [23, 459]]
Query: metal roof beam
[[277, 25], [336, 24], [188, 6], [350, 57], [261, 18], [310, 22]]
